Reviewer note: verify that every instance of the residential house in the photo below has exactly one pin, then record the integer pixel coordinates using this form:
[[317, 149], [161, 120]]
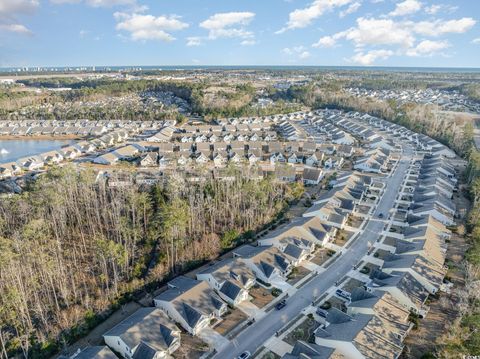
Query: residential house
[[312, 176], [97, 352], [268, 263], [230, 278], [191, 303], [148, 330], [359, 336]]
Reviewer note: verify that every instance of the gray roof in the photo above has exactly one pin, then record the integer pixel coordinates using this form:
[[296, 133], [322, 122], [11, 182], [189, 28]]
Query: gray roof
[[343, 327], [248, 251], [230, 269], [293, 251], [98, 352], [404, 281], [304, 350], [148, 325], [144, 351], [230, 289], [191, 298]]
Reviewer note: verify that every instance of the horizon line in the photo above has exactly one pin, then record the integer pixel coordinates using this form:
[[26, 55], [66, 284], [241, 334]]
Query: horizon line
[[238, 66]]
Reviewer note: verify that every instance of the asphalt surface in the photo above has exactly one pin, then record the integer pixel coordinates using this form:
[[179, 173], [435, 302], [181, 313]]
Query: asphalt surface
[[254, 336]]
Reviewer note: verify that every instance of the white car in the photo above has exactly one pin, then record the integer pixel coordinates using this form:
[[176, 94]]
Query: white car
[[244, 355]]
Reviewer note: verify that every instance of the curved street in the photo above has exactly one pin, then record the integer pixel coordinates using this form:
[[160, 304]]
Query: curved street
[[254, 336]]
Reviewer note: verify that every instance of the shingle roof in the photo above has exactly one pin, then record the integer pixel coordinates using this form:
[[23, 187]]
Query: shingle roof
[[149, 325], [97, 352]]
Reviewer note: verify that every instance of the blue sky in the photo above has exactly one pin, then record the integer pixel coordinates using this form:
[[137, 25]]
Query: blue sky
[[430, 33]]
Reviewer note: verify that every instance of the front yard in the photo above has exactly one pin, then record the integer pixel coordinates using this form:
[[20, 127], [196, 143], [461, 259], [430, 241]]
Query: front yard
[[230, 321], [191, 348], [305, 331], [342, 237], [297, 274], [334, 302], [351, 284], [261, 296], [320, 257], [270, 355], [355, 221]]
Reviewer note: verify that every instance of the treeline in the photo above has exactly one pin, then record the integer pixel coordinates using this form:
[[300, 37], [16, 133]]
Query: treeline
[[72, 247], [464, 336], [234, 101]]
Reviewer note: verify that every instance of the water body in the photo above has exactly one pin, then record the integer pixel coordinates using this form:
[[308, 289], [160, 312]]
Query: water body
[[12, 150]]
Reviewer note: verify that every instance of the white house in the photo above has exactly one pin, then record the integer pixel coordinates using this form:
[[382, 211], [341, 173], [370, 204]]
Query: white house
[[146, 330]]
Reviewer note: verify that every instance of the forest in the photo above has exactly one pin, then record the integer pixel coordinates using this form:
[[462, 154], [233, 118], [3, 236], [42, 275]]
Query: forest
[[85, 247]]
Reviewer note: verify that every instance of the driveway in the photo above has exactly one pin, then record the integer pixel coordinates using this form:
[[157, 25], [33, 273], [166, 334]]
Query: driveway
[[213, 339], [251, 310], [257, 334]]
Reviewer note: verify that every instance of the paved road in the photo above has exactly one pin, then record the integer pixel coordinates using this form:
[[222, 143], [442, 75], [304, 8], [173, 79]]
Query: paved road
[[255, 336]]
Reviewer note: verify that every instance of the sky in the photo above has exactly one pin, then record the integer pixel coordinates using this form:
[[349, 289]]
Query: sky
[[409, 33]]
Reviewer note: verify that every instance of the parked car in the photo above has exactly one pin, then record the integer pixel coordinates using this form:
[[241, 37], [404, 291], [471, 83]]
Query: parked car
[[244, 355], [343, 294], [281, 304], [322, 312]]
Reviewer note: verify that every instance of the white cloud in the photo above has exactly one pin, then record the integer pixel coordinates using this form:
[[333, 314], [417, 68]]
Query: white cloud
[[248, 42], [304, 55], [9, 9], [476, 41], [16, 28], [378, 32], [441, 27], [436, 8], [428, 48], [194, 41], [98, 3], [148, 27], [298, 51], [228, 25], [397, 37], [406, 7], [325, 41], [433, 9], [368, 58], [388, 32], [301, 18], [351, 9], [110, 3], [13, 7]]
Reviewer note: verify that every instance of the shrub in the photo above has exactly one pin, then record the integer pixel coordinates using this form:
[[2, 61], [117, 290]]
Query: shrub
[[276, 292], [326, 305]]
